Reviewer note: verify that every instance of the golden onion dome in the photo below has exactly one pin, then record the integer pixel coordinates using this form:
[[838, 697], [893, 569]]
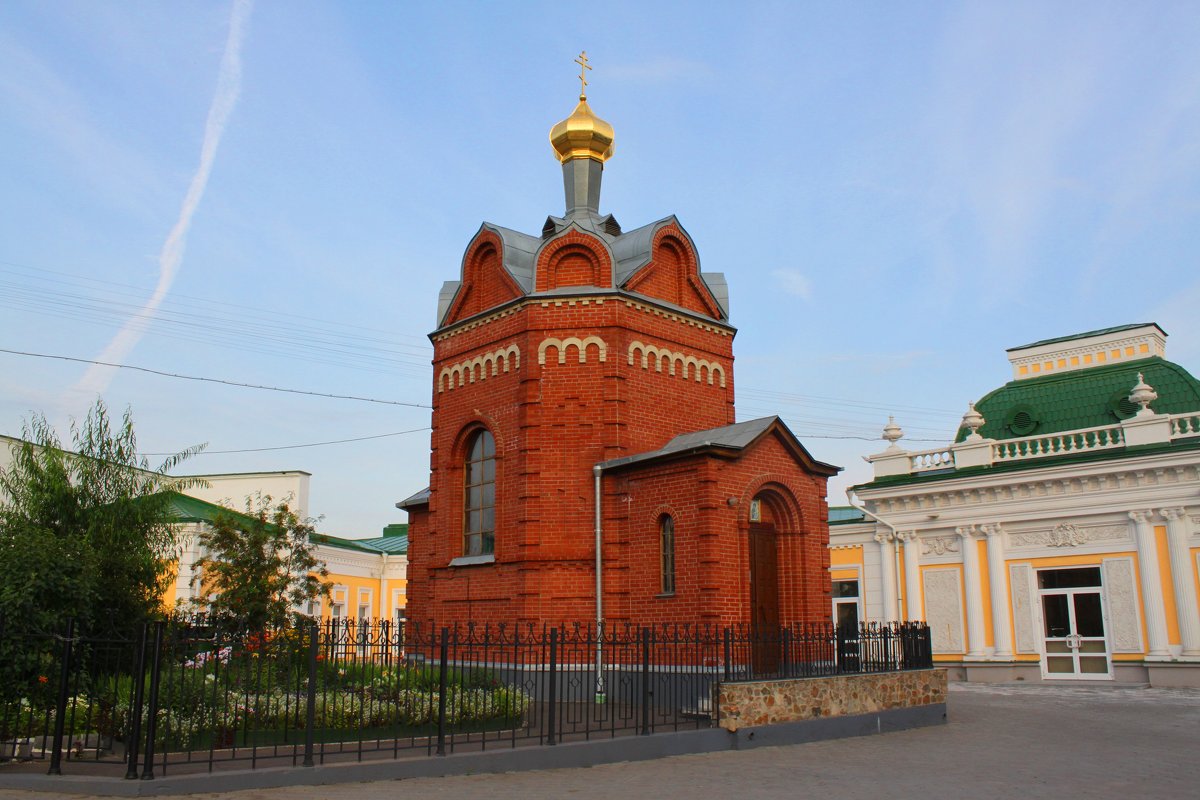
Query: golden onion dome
[[582, 135]]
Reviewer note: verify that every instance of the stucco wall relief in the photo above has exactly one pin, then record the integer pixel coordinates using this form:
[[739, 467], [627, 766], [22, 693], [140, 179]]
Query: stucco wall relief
[[939, 545], [943, 609], [1068, 534], [1121, 593]]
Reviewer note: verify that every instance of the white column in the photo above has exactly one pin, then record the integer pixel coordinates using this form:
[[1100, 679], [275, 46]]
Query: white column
[[1001, 632], [1181, 575], [1151, 582], [912, 576], [887, 572], [973, 589]]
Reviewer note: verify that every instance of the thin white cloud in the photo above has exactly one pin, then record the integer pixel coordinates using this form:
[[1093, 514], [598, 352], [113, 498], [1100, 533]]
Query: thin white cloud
[[793, 282], [229, 79]]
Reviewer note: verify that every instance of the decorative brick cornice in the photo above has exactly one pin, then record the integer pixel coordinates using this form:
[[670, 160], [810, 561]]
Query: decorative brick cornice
[[488, 364], [583, 300], [689, 365], [562, 345], [676, 317]]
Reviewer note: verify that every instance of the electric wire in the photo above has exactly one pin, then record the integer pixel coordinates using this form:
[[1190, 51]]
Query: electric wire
[[298, 446], [217, 380]]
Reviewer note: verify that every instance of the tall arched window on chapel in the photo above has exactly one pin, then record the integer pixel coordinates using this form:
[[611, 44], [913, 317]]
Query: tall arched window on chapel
[[479, 496], [666, 539]]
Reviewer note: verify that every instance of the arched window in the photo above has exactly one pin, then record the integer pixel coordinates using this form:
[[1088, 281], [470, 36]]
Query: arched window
[[666, 540], [479, 496]]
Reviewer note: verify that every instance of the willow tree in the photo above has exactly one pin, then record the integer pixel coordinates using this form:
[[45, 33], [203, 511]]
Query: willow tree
[[86, 530]]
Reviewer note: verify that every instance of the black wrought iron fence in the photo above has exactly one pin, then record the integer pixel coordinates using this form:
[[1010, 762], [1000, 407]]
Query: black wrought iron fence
[[188, 695]]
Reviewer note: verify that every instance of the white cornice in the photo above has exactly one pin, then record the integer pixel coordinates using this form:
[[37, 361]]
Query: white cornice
[[1108, 485]]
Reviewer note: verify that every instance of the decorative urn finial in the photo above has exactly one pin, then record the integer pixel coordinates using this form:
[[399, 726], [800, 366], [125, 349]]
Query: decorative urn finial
[[892, 433], [1143, 394], [973, 421]]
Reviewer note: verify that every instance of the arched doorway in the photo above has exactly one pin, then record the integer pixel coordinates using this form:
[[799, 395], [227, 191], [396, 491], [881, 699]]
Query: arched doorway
[[764, 585]]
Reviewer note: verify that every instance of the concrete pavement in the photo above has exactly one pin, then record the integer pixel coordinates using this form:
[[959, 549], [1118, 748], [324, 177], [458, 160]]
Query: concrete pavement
[[1026, 741]]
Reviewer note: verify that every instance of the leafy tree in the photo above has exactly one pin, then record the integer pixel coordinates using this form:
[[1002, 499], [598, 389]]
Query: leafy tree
[[87, 533], [260, 564]]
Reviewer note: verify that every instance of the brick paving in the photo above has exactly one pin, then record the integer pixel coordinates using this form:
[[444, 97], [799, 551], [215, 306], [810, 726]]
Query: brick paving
[[1026, 741]]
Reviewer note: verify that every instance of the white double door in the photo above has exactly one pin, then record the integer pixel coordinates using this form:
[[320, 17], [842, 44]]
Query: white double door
[[1075, 641]]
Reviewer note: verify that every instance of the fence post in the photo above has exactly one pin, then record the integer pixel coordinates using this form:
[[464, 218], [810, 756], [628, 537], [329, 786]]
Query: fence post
[[152, 717], [728, 653], [552, 688], [785, 641], [60, 706], [139, 693], [310, 712], [443, 657], [645, 681]]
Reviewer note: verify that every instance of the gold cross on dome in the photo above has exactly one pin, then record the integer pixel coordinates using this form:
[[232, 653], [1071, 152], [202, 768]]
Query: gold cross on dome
[[583, 66]]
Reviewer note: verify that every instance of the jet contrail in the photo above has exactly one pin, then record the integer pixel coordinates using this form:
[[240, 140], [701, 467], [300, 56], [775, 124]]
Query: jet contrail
[[97, 378]]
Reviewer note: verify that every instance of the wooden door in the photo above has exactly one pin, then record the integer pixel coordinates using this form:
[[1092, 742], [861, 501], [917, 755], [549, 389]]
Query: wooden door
[[764, 598]]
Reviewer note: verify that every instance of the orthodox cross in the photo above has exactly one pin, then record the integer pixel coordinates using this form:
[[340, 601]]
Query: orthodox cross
[[583, 66]]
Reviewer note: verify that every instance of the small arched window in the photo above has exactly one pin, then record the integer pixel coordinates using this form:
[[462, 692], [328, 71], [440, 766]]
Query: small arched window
[[666, 540], [479, 496]]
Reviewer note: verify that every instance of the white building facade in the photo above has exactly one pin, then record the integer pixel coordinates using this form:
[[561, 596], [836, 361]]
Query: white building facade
[[1058, 538]]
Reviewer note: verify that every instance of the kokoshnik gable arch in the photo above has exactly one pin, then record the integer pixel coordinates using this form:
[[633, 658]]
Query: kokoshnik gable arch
[[585, 463]]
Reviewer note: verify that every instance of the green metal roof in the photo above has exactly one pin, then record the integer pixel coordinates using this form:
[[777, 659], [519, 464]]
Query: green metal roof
[[1087, 335], [386, 544], [392, 542], [842, 515], [186, 508], [1084, 398]]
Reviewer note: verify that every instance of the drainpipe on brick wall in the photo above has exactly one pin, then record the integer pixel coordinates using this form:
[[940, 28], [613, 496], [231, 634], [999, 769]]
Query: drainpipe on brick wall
[[597, 474], [900, 614]]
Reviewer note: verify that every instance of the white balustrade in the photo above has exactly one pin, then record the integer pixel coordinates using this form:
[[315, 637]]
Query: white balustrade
[[1056, 444], [1108, 437], [931, 459], [1185, 425]]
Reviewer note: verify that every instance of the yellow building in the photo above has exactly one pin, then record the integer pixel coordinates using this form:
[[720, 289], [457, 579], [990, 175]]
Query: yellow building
[[1058, 536], [367, 577]]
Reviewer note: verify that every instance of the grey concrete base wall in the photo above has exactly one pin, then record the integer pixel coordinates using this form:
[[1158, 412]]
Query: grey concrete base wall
[[1174, 674], [574, 754], [1130, 673]]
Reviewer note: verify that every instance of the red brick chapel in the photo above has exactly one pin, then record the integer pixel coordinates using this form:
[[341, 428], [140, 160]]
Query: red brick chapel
[[583, 425]]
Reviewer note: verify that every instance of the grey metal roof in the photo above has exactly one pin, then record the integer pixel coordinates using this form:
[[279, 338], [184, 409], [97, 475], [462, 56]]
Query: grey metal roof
[[519, 254], [631, 251], [730, 437], [421, 498]]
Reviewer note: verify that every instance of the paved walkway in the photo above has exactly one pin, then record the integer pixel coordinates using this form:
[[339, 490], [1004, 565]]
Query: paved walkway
[[1021, 741]]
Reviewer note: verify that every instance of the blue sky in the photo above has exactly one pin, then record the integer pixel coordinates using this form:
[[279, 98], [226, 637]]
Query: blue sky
[[273, 192]]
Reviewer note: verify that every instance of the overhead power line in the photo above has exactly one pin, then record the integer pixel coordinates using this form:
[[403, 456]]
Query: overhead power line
[[297, 446], [215, 380]]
